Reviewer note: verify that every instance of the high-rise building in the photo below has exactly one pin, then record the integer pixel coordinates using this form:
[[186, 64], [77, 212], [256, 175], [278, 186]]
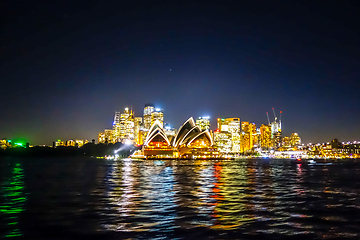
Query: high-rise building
[[169, 131], [127, 125], [227, 137], [265, 136], [138, 122], [101, 137], [276, 135], [295, 140], [157, 115], [116, 128], [222, 140], [248, 136], [108, 135], [203, 123], [148, 109]]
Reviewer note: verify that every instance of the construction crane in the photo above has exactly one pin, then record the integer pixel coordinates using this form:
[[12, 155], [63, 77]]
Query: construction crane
[[267, 114], [274, 114]]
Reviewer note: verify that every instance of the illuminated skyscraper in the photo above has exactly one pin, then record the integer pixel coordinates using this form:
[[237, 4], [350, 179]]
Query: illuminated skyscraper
[[248, 136], [295, 140], [116, 128], [157, 115], [227, 137], [203, 123], [265, 136], [108, 135], [127, 125], [137, 126], [276, 135], [149, 108]]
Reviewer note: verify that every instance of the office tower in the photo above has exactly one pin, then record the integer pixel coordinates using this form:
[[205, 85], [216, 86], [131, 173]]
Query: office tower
[[265, 136], [137, 126], [248, 136], [295, 140], [101, 137], [169, 131], [127, 125], [157, 115], [203, 123], [286, 143], [227, 137], [148, 109], [108, 135], [116, 128]]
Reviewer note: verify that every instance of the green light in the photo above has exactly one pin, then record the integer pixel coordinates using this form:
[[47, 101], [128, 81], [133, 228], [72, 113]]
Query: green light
[[59, 140], [9, 140], [18, 144], [14, 200]]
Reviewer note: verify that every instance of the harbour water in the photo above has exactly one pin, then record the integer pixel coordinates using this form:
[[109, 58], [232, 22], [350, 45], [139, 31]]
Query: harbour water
[[88, 198]]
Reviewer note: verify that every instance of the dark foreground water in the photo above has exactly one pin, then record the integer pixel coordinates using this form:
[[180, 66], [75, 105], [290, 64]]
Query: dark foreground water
[[73, 198]]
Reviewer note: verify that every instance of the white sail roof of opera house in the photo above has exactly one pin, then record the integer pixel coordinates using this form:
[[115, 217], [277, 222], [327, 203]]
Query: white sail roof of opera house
[[183, 130], [199, 135], [189, 132], [156, 130]]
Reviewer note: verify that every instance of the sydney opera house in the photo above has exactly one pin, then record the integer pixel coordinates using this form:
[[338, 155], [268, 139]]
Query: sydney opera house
[[190, 142]]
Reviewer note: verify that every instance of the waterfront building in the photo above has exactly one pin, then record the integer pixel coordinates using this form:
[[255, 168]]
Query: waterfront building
[[138, 121], [286, 143], [108, 135], [79, 143], [265, 136], [148, 109], [156, 142], [101, 137], [222, 140], [295, 140], [249, 136], [127, 125], [3, 143], [203, 123], [188, 142], [59, 143], [141, 136], [227, 136], [70, 143], [116, 128]]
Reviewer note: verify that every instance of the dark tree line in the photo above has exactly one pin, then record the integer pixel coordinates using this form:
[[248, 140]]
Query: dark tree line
[[89, 149]]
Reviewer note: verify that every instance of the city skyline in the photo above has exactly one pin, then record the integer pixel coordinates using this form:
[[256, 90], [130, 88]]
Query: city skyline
[[67, 67]]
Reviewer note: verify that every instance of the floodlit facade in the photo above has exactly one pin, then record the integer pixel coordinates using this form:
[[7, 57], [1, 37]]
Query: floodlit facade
[[227, 136], [295, 140], [138, 122], [189, 142], [148, 109], [203, 123], [127, 125], [265, 136], [108, 135], [249, 136], [101, 137], [157, 115], [116, 128]]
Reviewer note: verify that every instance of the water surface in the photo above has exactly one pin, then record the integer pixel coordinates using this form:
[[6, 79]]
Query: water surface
[[73, 198]]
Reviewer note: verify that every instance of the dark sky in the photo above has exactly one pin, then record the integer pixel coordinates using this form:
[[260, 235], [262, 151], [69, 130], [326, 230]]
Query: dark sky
[[66, 66]]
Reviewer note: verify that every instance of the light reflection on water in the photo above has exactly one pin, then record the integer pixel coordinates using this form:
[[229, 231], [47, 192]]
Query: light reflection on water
[[12, 199], [162, 199]]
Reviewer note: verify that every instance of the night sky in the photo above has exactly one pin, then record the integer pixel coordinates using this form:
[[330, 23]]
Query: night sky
[[66, 66]]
